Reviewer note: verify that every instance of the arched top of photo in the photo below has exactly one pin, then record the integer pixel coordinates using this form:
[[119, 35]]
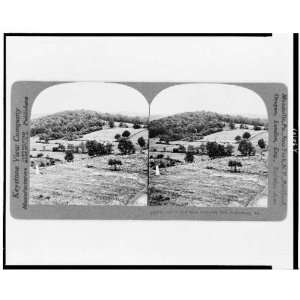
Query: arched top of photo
[[214, 136], [88, 145]]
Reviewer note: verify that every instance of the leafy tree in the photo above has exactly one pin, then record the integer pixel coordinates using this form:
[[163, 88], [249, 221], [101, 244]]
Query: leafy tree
[[69, 156], [141, 141], [246, 135], [238, 138], [126, 146], [117, 136], [91, 147], [189, 157], [246, 148], [234, 165], [215, 150], [40, 155], [114, 163], [95, 148], [126, 133], [261, 143]]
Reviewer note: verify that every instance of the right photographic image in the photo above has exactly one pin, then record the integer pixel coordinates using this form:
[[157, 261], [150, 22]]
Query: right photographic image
[[208, 147]]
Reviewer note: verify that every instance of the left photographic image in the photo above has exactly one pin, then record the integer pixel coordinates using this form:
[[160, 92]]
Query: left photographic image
[[89, 145]]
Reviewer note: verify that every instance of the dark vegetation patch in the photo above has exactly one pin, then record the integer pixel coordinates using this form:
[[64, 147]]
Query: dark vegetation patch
[[195, 125], [74, 124]]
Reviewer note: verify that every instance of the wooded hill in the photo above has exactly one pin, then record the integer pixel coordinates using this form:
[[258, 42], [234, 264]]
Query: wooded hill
[[75, 123], [196, 124]]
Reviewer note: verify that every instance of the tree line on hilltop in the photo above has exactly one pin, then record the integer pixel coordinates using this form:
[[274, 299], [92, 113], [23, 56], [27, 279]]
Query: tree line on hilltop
[[71, 125], [195, 125]]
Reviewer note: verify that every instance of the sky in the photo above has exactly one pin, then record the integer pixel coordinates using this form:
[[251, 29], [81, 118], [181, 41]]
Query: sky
[[117, 98], [101, 97], [220, 98]]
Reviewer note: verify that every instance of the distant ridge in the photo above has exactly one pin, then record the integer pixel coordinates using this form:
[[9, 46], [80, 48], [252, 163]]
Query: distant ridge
[[70, 124], [201, 123]]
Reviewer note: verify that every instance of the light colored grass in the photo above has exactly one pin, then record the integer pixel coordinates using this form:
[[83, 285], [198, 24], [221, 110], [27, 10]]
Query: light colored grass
[[76, 184], [195, 185]]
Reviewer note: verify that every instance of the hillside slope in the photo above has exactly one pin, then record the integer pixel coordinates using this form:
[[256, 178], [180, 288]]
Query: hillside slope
[[198, 124], [73, 124]]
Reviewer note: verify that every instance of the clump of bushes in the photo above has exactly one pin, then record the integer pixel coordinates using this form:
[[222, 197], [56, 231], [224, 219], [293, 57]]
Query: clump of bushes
[[69, 156], [215, 150], [95, 148], [114, 163], [136, 126], [189, 157], [234, 165]]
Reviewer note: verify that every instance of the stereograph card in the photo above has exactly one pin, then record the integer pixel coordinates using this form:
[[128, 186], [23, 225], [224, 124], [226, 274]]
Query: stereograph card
[[185, 150]]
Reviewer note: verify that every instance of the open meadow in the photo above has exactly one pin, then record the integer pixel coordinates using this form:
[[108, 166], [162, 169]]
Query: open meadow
[[92, 168], [90, 181], [219, 163], [210, 183]]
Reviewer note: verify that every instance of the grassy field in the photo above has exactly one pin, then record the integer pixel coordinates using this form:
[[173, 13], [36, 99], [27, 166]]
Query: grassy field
[[90, 181], [104, 135], [210, 183]]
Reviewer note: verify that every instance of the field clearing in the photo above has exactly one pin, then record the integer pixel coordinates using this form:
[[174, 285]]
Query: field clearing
[[91, 182], [109, 134], [229, 135], [210, 183], [59, 155], [226, 136], [105, 135]]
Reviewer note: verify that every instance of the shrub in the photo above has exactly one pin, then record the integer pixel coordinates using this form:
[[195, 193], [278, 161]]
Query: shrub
[[114, 163], [69, 156], [238, 138], [141, 141], [256, 127], [159, 156], [246, 135], [136, 126], [117, 136], [42, 164], [261, 143], [126, 134], [234, 164], [40, 155], [189, 157]]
